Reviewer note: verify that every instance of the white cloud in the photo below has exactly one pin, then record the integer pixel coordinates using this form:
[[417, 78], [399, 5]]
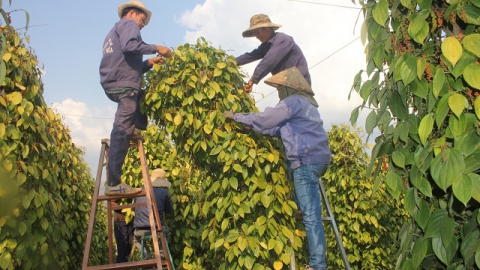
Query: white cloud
[[87, 126], [319, 30]]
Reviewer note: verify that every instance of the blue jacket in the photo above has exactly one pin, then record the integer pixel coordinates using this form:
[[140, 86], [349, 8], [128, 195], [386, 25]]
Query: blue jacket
[[298, 124], [280, 52], [122, 63], [164, 204]]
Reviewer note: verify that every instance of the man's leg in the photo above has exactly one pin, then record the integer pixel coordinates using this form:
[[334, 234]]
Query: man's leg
[[121, 135], [122, 237], [306, 179]]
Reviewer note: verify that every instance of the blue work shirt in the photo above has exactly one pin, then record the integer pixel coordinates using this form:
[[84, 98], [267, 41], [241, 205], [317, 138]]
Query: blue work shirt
[[122, 63], [297, 122], [164, 205], [280, 52]]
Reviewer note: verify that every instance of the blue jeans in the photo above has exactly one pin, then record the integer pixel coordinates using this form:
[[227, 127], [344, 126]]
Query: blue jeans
[[127, 117], [307, 190]]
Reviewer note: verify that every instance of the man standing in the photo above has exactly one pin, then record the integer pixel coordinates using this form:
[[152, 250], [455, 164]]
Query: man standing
[[296, 120], [163, 200], [121, 72], [278, 51]]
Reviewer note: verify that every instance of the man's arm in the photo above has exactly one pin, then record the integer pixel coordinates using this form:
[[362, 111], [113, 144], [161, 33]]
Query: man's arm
[[131, 40], [147, 64], [254, 55], [268, 121]]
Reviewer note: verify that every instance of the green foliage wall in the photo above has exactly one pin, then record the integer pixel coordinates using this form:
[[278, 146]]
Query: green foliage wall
[[423, 92], [231, 198], [369, 219], [46, 186]]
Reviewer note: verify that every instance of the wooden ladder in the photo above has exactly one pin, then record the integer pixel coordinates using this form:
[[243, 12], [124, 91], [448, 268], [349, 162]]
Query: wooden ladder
[[331, 219], [137, 142]]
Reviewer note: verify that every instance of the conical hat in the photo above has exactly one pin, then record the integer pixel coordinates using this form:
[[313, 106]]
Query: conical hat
[[292, 78], [159, 178]]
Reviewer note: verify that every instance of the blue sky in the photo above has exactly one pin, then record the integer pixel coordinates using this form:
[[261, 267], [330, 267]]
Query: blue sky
[[67, 37]]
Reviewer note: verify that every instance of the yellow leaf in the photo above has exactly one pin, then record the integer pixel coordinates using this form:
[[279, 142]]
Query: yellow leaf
[[421, 64], [2, 129], [215, 86], [197, 123], [6, 56], [221, 65], [19, 86], [219, 133], [237, 168], [452, 49], [438, 82], [177, 120], [476, 104], [168, 116], [472, 44], [456, 102], [425, 128], [471, 74], [15, 98], [287, 232], [277, 265], [300, 233], [207, 129]]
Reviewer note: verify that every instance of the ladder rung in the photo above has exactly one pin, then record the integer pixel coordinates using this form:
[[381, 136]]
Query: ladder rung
[[326, 218], [128, 265], [121, 196], [132, 205]]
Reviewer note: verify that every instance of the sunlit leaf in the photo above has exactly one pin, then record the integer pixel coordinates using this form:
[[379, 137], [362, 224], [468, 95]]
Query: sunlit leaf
[[425, 128], [421, 64], [472, 43], [380, 12], [462, 188], [472, 75], [452, 49], [438, 82], [456, 102], [476, 105]]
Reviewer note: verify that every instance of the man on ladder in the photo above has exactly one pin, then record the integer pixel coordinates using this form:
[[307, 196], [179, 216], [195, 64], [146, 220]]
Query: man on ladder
[[296, 120], [121, 72]]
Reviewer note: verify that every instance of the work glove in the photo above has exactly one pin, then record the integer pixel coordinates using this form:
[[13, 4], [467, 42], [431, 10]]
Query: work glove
[[228, 114]]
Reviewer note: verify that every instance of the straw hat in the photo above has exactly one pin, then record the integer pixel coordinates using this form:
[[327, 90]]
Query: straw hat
[[259, 21], [292, 78], [159, 178], [135, 4]]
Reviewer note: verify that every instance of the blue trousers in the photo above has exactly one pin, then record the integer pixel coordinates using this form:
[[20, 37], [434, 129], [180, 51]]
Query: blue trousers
[[124, 240], [127, 117], [307, 191]]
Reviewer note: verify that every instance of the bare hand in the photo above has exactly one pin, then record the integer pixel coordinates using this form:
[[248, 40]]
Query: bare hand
[[228, 114], [156, 60], [164, 51], [248, 87]]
